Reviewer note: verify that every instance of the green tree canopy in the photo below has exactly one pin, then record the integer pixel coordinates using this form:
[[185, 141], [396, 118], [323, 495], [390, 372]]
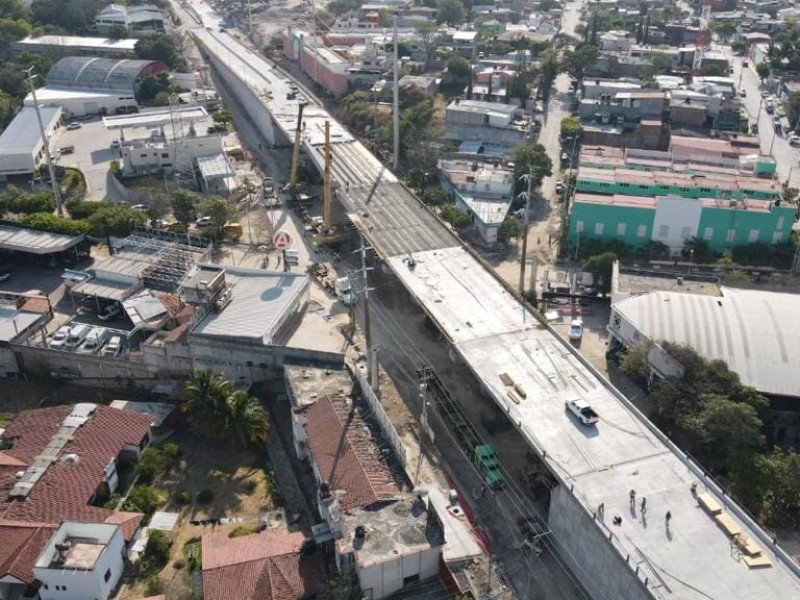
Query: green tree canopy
[[530, 158], [577, 61], [512, 228], [116, 220], [600, 265], [163, 48], [184, 207], [451, 12], [456, 218]]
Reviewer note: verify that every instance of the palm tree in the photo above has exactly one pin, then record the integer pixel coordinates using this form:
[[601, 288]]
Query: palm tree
[[246, 422], [221, 410], [205, 397]]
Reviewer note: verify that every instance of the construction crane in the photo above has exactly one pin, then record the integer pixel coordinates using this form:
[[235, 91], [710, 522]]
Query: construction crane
[[296, 151]]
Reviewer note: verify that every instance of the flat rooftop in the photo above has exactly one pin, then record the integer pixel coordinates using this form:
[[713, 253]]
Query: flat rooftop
[[495, 336], [156, 117], [14, 322], [73, 41], [81, 555], [396, 527], [31, 241], [261, 302], [632, 282], [22, 134], [307, 383]]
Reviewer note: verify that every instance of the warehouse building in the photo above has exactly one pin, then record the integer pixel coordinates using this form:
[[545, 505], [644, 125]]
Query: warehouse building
[[143, 19], [59, 46], [21, 144], [84, 85]]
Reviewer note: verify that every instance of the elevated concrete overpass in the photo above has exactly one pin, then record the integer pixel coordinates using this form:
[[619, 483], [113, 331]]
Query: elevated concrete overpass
[[494, 335]]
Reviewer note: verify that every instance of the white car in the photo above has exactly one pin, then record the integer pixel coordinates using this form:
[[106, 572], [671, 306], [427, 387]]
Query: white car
[[560, 186], [139, 207], [203, 222], [576, 330], [582, 411], [268, 185], [74, 125], [60, 337], [109, 312]]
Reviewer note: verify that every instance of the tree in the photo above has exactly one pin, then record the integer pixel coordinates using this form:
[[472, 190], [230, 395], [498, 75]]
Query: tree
[[456, 218], [246, 422], [184, 207], [82, 209], [28, 204], [460, 70], [635, 362], [712, 70], [570, 126], [730, 272], [117, 32], [218, 408], [428, 34], [725, 427], [511, 228], [530, 158], [435, 196], [116, 220], [763, 70], [50, 222], [163, 48], [579, 60], [600, 265], [151, 86], [220, 210], [451, 12], [222, 117]]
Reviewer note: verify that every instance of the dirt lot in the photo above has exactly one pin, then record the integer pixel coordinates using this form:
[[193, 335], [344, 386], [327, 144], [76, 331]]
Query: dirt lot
[[240, 489]]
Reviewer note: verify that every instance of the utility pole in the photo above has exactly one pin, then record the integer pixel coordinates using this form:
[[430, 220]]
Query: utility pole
[[372, 376], [396, 107], [529, 176], [424, 374], [46, 144]]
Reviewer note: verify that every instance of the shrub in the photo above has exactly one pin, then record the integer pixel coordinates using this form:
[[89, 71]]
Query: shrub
[[116, 170], [205, 496], [171, 450], [154, 586], [156, 553], [82, 209], [240, 531], [45, 221], [112, 501], [182, 498], [142, 498], [152, 464]]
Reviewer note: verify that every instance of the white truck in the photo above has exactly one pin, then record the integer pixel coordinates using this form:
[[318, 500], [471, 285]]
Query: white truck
[[344, 291]]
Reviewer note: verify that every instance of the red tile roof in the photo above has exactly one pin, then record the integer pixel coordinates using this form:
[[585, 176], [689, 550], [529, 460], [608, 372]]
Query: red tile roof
[[65, 489], [346, 455], [21, 545], [263, 566]]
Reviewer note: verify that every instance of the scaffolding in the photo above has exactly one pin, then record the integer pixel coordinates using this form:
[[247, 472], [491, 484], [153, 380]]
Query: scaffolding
[[183, 167], [171, 256]]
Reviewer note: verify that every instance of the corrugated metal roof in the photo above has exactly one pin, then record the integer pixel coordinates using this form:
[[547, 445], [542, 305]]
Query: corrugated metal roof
[[22, 134], [260, 301], [32, 241], [756, 333]]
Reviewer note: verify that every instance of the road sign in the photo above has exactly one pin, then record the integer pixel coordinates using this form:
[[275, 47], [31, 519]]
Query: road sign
[[281, 239]]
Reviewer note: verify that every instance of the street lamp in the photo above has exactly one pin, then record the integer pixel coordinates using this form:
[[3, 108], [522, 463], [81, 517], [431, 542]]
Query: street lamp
[[46, 145]]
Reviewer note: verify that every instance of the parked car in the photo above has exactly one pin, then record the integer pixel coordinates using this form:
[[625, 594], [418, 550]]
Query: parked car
[[140, 207], [560, 187], [576, 330], [113, 347], [203, 222], [109, 312], [743, 93], [66, 150], [95, 340], [769, 106], [60, 337], [74, 125], [794, 139], [268, 185], [582, 411], [76, 336], [115, 145]]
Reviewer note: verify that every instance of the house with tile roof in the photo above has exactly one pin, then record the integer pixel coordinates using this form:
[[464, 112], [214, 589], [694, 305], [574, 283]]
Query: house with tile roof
[[57, 465], [387, 537], [269, 565]]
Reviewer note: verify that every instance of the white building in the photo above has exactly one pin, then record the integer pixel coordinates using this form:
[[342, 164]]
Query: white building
[[488, 122], [21, 144], [78, 103], [141, 19], [58, 46], [81, 561], [158, 152], [481, 189]]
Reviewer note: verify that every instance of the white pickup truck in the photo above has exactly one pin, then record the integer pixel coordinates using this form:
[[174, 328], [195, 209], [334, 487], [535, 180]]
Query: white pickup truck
[[584, 413]]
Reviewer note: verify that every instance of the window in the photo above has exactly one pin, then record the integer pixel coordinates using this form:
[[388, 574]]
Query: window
[[777, 237], [624, 185], [641, 231], [752, 237], [663, 231], [730, 237], [686, 233], [107, 576], [165, 155], [579, 226], [780, 223], [598, 228], [143, 155], [487, 187], [708, 233], [621, 227]]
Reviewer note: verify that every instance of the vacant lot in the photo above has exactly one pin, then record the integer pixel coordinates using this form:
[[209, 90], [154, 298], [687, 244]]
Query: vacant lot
[[239, 488]]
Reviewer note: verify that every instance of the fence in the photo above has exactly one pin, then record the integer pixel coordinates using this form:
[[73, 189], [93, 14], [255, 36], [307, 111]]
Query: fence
[[389, 432]]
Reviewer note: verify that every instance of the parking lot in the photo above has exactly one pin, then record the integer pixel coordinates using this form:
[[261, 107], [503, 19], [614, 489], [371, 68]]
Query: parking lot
[[93, 155]]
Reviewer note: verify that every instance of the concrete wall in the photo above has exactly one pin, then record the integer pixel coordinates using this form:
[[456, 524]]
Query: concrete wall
[[584, 544], [385, 578], [260, 117], [103, 371]]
